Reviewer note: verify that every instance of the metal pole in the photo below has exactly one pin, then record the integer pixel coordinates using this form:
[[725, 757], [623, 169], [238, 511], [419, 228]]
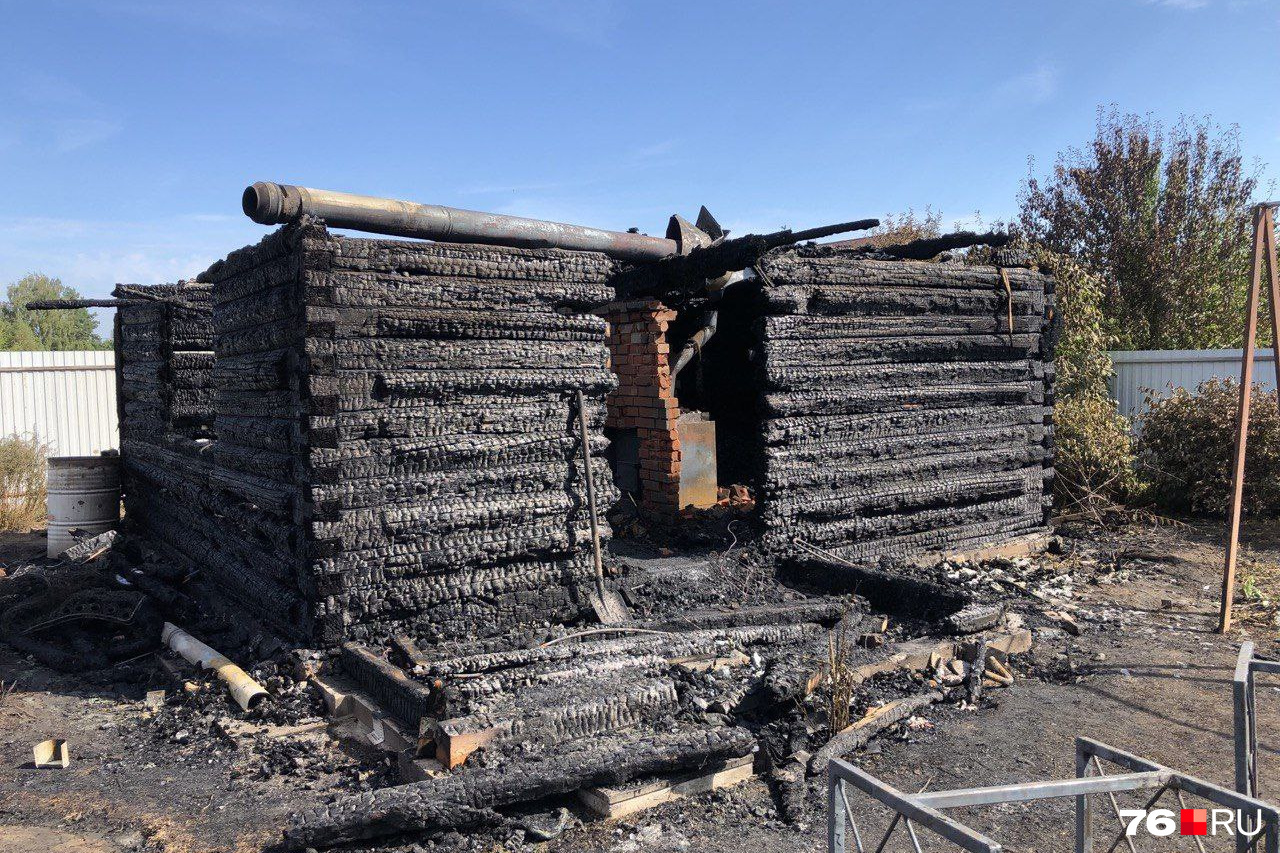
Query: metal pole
[[1182, 804], [1155, 798], [1260, 216], [1251, 697], [915, 840], [853, 824], [1115, 806], [1084, 811], [835, 815], [1273, 260], [1240, 701]]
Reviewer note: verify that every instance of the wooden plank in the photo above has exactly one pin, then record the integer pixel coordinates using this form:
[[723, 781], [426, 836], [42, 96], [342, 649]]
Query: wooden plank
[[1022, 546], [629, 799], [454, 744], [705, 663]]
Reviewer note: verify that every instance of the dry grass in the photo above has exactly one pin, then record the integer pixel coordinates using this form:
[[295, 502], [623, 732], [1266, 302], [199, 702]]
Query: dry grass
[[840, 680], [22, 486]]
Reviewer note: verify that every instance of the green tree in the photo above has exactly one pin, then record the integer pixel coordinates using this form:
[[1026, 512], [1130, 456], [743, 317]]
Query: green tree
[[1163, 218], [20, 329]]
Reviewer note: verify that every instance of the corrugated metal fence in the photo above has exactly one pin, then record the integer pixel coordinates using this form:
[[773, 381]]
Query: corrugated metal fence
[[1140, 370], [66, 400]]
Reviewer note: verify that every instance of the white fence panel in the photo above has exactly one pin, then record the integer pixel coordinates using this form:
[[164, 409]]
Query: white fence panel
[[65, 399], [1140, 370]]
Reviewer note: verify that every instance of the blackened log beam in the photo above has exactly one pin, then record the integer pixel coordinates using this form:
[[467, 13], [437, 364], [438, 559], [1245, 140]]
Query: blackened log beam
[[65, 304], [444, 801], [931, 247], [680, 273]]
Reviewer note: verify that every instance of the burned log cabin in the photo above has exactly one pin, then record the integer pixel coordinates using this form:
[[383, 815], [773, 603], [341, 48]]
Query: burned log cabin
[[353, 437], [879, 408], [379, 444]]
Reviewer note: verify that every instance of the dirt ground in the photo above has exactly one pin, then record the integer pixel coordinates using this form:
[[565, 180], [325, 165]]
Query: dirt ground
[[1147, 674]]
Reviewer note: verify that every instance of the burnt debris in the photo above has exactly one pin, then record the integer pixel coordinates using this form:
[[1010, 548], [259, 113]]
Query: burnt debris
[[374, 447]]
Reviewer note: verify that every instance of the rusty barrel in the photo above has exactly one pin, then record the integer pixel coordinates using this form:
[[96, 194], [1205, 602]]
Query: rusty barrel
[[83, 496]]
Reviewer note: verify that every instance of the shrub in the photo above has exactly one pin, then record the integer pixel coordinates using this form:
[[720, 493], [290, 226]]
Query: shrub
[[1188, 443], [22, 487], [1094, 458]]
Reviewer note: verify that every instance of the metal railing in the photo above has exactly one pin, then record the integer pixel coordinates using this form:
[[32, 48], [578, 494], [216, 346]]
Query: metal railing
[[1243, 689], [925, 810]]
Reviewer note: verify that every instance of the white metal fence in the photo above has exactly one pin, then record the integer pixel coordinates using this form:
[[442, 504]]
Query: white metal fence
[[1158, 370], [66, 400]]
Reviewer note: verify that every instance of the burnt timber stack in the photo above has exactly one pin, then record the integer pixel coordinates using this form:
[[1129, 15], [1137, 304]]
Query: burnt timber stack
[[906, 406], [396, 418]]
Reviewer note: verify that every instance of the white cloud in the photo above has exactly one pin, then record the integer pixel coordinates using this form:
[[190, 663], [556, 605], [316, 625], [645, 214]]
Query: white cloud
[[1034, 87], [1179, 4], [592, 23], [75, 133]]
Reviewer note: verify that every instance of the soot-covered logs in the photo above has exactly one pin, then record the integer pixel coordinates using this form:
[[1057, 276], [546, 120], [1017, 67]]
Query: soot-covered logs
[[906, 406], [355, 437], [398, 419]]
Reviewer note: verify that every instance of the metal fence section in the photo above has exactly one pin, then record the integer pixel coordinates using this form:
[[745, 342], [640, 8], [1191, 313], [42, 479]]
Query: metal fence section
[[1244, 689], [66, 400], [1139, 370], [924, 811]]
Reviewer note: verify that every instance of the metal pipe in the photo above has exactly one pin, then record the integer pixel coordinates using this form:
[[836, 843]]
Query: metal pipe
[[1028, 791], [274, 204], [244, 690], [696, 343]]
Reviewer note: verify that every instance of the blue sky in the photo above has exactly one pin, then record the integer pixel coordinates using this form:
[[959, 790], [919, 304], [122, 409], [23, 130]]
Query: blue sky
[[128, 129]]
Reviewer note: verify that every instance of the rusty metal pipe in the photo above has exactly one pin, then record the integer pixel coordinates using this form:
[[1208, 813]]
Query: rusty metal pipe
[[696, 343], [274, 204]]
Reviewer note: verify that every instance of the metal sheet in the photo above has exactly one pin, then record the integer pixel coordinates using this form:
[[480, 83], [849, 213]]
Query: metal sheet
[[698, 483], [66, 400], [1165, 370]]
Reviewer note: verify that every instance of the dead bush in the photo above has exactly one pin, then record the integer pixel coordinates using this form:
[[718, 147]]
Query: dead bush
[[22, 487], [1188, 443], [1094, 454]]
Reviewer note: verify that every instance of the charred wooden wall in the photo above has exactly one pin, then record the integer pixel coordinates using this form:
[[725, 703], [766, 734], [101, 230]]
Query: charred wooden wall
[[231, 530], [900, 413], [443, 488], [396, 434], [164, 346]]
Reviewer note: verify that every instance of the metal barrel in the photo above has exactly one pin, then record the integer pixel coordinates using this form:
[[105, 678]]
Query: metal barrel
[[274, 204], [83, 495]]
